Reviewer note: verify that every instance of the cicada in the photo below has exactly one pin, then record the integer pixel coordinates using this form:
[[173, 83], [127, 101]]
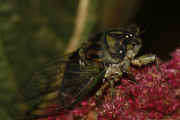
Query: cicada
[[67, 81]]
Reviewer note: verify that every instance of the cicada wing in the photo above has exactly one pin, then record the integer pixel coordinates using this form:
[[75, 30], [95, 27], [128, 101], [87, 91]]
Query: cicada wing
[[77, 82], [59, 85], [41, 88]]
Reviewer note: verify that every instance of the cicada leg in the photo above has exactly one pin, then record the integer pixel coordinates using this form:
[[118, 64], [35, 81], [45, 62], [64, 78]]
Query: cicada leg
[[101, 90], [113, 74], [112, 88], [146, 59]]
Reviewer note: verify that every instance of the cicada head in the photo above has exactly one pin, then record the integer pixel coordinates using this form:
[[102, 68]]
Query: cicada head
[[121, 43]]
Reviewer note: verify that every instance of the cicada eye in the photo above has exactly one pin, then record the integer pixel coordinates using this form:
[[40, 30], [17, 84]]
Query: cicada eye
[[126, 36], [120, 52], [130, 35]]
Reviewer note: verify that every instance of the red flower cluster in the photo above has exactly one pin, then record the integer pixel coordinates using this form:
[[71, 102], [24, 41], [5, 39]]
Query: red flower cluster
[[154, 95]]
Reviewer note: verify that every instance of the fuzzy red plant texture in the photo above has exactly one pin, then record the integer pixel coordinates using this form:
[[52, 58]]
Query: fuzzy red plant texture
[[155, 95]]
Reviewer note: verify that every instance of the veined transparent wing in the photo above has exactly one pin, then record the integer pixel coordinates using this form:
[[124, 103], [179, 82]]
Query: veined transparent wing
[[59, 85]]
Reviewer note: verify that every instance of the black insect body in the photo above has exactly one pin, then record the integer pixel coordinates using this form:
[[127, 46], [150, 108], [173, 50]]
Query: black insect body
[[67, 81]]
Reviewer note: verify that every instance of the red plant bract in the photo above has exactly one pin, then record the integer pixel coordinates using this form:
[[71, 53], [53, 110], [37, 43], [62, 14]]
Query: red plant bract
[[154, 95]]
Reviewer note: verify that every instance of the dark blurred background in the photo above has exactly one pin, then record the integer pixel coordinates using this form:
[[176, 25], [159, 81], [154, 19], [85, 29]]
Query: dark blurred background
[[161, 20], [32, 32]]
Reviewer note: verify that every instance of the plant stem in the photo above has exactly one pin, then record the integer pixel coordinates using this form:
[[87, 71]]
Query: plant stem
[[85, 21]]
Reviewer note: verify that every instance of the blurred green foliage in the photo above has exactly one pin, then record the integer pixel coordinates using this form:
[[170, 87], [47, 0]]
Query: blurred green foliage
[[32, 32], [6, 83]]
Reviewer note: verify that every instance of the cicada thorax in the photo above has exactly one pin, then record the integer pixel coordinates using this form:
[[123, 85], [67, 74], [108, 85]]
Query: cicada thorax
[[92, 51]]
